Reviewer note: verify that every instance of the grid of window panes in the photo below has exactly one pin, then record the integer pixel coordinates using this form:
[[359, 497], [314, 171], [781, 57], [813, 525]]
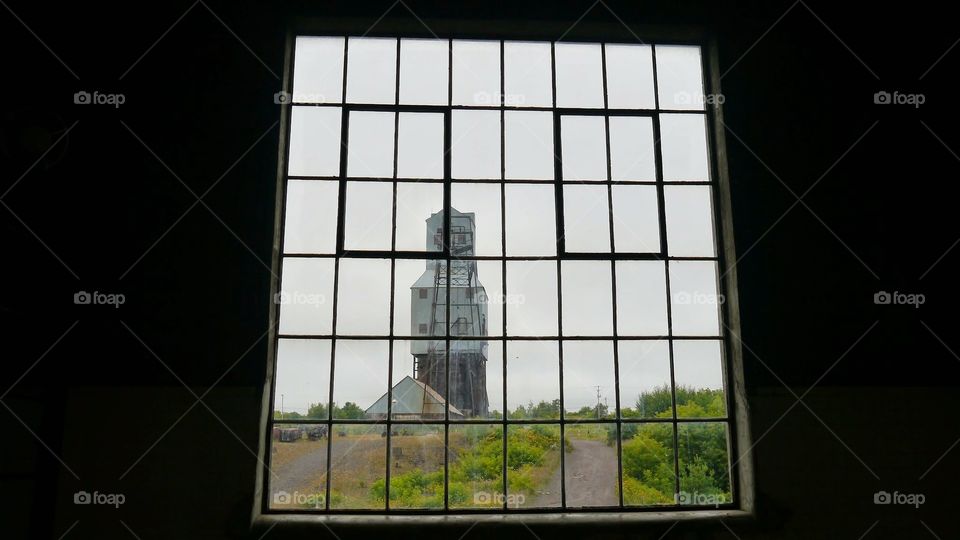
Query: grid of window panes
[[571, 183]]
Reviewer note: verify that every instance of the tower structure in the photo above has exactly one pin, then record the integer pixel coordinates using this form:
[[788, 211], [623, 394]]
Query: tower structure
[[467, 322]]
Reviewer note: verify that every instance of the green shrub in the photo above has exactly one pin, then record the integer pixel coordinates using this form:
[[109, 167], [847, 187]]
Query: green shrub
[[523, 453]]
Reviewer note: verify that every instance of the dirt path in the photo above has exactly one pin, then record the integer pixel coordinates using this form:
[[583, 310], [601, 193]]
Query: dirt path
[[304, 472], [591, 470]]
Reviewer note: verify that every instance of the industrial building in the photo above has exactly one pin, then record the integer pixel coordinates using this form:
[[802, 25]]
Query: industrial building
[[429, 317]]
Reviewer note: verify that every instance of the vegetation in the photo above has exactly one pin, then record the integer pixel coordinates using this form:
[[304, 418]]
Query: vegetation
[[648, 472], [349, 411], [475, 453]]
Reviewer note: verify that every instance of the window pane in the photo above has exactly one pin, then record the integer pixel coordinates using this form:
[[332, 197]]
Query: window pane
[[483, 201], [359, 376], [632, 157], [318, 70], [683, 143], [641, 298], [369, 211], [363, 298], [468, 384], [416, 203], [310, 216], [689, 215], [679, 77], [528, 145], [589, 390], [416, 466], [531, 298], [414, 290], [490, 274], [694, 298], [528, 79], [314, 141], [358, 466], [698, 372], [584, 148], [298, 464], [306, 296], [475, 144], [587, 298], [533, 466], [419, 383], [420, 145], [590, 466], [586, 219], [476, 466], [530, 221], [636, 219], [476, 73], [647, 460], [423, 71], [704, 464], [629, 77], [302, 385], [372, 70], [533, 380], [494, 379], [579, 75], [370, 151], [645, 389]]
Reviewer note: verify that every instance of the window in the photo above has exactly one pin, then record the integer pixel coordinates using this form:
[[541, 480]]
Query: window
[[501, 281]]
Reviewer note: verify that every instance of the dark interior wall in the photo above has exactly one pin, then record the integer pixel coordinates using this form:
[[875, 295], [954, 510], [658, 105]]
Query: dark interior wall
[[112, 207]]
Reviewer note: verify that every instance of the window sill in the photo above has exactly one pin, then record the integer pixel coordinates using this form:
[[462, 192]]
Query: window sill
[[294, 524]]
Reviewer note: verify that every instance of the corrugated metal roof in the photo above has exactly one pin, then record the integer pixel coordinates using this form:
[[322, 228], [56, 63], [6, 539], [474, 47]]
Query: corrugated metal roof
[[412, 397]]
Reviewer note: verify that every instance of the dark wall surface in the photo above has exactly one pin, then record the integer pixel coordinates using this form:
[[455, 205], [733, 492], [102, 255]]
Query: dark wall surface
[[103, 198]]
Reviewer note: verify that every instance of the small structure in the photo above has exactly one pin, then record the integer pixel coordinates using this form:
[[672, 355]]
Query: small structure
[[412, 400]]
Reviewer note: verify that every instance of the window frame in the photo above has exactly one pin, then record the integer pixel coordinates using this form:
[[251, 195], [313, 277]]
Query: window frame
[[741, 471]]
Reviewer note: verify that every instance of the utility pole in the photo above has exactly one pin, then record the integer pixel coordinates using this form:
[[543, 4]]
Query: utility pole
[[281, 406], [598, 401]]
